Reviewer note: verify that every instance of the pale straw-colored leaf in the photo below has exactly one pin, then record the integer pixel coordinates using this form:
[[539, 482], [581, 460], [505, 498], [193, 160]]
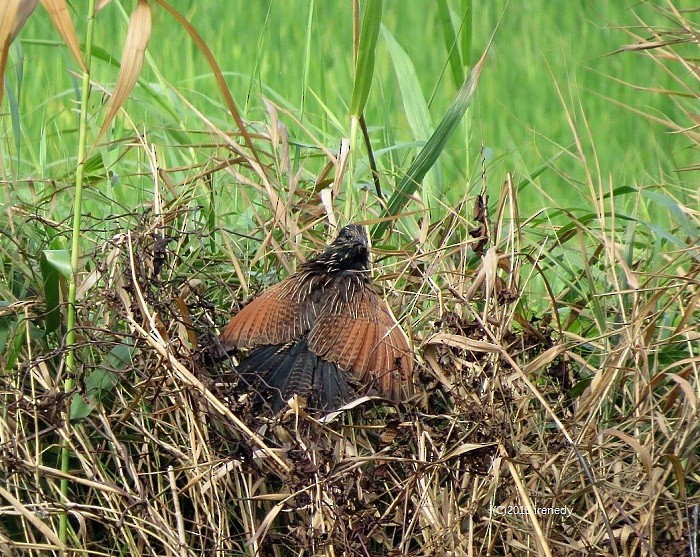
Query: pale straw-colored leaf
[[641, 451], [687, 389], [489, 264], [267, 522], [132, 61], [545, 358], [24, 9], [31, 516], [539, 538], [216, 70], [60, 16], [13, 14], [8, 16], [464, 343]]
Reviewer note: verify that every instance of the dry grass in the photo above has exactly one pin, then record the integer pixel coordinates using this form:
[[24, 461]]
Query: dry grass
[[586, 403]]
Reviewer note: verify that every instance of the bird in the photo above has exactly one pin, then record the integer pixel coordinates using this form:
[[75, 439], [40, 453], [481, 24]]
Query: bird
[[324, 333]]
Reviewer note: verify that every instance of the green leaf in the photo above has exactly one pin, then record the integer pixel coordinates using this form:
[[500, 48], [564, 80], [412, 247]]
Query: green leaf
[[54, 264], [59, 259], [622, 190], [433, 148], [546, 166], [577, 390], [414, 103], [450, 37], [95, 165], [101, 381], [672, 207], [467, 29], [364, 70], [7, 326]]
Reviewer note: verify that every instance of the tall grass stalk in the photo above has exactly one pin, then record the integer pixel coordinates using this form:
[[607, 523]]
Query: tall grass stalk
[[365, 49], [75, 256]]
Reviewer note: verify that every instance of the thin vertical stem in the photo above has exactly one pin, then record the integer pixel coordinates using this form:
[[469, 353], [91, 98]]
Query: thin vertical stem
[[75, 257]]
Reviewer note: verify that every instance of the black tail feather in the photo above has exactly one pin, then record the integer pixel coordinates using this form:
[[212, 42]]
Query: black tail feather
[[280, 371]]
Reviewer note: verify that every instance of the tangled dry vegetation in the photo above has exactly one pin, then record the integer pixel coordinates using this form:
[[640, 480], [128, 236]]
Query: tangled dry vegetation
[[519, 412], [559, 426]]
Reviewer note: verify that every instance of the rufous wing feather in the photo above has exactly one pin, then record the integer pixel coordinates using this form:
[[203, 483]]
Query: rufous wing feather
[[279, 315], [362, 336]]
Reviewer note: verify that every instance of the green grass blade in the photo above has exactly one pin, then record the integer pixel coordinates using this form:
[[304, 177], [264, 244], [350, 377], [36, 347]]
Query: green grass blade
[[364, 71], [364, 68], [543, 168], [70, 361], [433, 148], [450, 37], [307, 59], [414, 103], [102, 380], [467, 29], [674, 209], [54, 264], [13, 102]]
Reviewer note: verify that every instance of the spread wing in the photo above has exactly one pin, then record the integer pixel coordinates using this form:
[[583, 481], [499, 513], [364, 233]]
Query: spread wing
[[361, 334], [281, 314]]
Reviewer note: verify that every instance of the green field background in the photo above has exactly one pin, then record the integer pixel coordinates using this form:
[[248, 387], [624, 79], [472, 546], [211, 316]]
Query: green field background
[[549, 62]]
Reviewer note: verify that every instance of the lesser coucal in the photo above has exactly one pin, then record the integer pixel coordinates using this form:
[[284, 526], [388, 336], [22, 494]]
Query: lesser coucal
[[323, 333]]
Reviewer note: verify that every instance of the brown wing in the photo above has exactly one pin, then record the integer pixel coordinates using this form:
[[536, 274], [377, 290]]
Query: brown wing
[[362, 335], [282, 313]]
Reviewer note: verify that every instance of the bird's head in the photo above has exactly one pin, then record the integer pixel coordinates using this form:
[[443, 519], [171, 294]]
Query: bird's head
[[348, 252]]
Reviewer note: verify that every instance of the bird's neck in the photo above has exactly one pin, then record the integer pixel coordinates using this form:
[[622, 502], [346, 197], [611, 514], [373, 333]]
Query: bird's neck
[[355, 269]]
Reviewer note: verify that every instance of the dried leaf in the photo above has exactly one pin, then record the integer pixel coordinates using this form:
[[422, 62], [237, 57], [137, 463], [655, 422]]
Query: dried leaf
[[545, 358], [641, 451], [687, 388], [216, 70], [17, 11], [58, 11], [489, 264], [132, 61], [13, 14], [458, 341]]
